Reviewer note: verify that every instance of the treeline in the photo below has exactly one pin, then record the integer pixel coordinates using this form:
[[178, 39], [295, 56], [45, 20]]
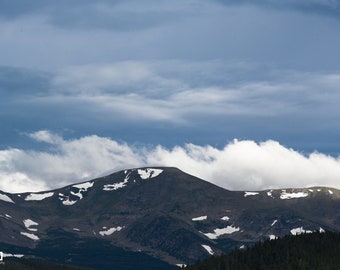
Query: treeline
[[306, 251], [32, 264]]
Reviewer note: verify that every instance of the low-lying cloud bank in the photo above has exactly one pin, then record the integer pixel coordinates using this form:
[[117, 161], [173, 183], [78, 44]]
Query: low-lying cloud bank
[[240, 165]]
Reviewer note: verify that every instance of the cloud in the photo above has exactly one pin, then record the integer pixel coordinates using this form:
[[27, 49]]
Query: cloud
[[19, 82], [65, 162], [133, 14], [240, 165], [190, 101], [154, 90], [110, 74], [247, 165], [50, 34], [321, 7], [46, 137], [114, 78], [115, 15]]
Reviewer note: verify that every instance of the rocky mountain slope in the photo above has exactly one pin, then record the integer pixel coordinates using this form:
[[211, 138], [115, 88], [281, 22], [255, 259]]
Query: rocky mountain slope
[[155, 218]]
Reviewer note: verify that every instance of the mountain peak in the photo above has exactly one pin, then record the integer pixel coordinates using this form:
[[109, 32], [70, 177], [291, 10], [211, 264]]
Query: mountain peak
[[160, 211]]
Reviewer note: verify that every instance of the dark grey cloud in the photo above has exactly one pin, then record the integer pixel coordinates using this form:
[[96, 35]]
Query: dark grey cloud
[[79, 9], [20, 82], [10, 9], [320, 7], [17, 8], [103, 14], [17, 86], [102, 32], [101, 17]]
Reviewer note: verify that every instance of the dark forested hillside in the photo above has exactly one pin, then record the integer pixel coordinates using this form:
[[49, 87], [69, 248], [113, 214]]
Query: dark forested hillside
[[33, 264], [306, 251]]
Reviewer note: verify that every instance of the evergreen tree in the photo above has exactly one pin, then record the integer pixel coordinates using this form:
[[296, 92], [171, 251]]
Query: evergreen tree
[[306, 251]]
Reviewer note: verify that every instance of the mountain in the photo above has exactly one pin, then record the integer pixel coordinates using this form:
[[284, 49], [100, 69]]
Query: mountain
[[155, 218]]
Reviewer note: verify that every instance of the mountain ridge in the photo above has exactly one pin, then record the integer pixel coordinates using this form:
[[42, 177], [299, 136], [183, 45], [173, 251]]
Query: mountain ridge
[[168, 168], [167, 215]]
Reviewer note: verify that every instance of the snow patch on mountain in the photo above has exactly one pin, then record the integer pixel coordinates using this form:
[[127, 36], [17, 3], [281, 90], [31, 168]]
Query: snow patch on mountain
[[299, 230], [5, 198], [69, 202], [115, 186], [110, 187], [225, 218], [149, 173], [330, 192], [199, 218], [29, 223], [38, 196], [82, 188], [293, 195], [110, 231], [272, 237], [66, 199], [8, 217], [222, 231], [274, 222], [248, 193], [208, 249], [30, 235], [77, 194], [6, 255]]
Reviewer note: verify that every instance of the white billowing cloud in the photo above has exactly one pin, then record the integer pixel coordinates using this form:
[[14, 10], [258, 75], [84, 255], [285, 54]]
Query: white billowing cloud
[[247, 165], [12, 179], [67, 162], [45, 136], [240, 165]]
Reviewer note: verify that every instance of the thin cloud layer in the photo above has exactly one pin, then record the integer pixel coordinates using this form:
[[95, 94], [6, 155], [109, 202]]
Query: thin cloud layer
[[172, 102], [240, 165], [155, 90]]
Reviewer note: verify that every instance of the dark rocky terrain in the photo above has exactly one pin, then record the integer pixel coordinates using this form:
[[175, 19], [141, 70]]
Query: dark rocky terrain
[[155, 218]]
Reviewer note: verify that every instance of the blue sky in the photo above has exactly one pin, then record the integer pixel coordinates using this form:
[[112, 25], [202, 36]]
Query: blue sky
[[172, 75]]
